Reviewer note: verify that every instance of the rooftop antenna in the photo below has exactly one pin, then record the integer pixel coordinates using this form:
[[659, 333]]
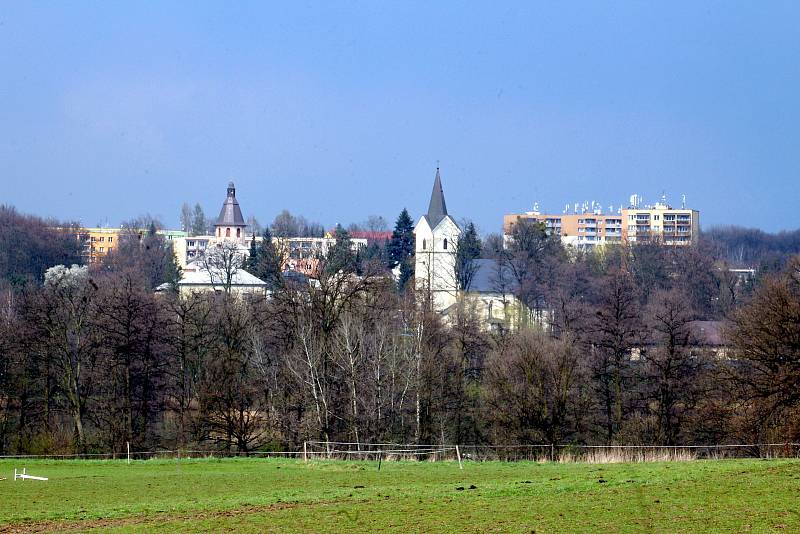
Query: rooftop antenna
[[683, 202]]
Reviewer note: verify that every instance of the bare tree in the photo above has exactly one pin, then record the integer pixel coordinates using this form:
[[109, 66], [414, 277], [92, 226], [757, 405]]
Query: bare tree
[[531, 387], [61, 316], [616, 331], [765, 338], [222, 261], [186, 218], [671, 369]]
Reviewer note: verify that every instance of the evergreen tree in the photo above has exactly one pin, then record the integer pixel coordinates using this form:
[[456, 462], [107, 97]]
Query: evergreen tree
[[341, 256], [265, 263], [252, 258], [468, 250], [406, 274], [401, 246]]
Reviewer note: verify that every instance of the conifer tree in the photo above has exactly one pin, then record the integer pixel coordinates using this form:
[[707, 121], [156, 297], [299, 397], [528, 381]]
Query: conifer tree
[[406, 274], [341, 256], [468, 250], [400, 249], [267, 263], [401, 245], [252, 258]]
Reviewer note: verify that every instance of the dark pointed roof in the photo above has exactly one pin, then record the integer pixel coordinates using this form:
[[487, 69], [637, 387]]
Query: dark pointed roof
[[231, 213], [437, 209]]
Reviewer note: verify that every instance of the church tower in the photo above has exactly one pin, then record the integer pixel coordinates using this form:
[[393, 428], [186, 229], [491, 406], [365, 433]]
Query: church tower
[[230, 223], [436, 235]]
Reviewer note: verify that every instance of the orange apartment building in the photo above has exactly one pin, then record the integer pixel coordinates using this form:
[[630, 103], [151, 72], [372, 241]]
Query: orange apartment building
[[98, 242], [659, 223]]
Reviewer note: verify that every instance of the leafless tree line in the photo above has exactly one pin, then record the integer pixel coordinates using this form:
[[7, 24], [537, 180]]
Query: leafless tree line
[[93, 358]]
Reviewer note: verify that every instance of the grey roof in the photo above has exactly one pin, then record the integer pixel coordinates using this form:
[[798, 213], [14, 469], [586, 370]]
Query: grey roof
[[492, 276], [231, 213], [437, 209]]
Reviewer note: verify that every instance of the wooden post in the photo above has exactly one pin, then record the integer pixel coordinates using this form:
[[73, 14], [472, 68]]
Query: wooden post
[[305, 451], [458, 455], [380, 457], [552, 453], [128, 443]]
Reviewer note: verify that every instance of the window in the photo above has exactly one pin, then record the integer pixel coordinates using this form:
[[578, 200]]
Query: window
[[424, 244], [227, 232], [110, 239], [110, 249], [445, 243], [218, 232], [102, 248], [102, 239], [190, 243], [238, 232]]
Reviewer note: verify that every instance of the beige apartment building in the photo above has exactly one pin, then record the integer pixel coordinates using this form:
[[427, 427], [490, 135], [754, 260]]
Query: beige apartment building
[[659, 223]]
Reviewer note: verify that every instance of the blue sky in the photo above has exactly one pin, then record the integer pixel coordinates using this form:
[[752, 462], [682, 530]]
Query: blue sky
[[339, 110]]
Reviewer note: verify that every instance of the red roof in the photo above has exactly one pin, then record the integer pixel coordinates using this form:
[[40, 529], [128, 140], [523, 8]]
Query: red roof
[[368, 235]]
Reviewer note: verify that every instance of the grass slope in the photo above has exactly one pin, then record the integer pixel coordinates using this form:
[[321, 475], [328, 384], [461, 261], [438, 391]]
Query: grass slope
[[279, 495]]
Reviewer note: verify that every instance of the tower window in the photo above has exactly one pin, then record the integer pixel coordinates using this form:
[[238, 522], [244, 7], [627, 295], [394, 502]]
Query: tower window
[[227, 232], [445, 243], [424, 244], [238, 232]]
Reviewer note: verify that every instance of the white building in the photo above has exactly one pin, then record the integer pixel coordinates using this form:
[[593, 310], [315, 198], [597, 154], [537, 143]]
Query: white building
[[203, 280], [436, 236]]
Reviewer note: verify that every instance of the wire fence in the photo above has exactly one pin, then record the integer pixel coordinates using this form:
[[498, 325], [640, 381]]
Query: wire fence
[[540, 452]]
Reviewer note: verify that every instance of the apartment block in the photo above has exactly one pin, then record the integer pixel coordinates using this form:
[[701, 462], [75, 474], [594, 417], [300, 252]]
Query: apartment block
[[586, 228], [98, 242], [581, 230], [661, 224]]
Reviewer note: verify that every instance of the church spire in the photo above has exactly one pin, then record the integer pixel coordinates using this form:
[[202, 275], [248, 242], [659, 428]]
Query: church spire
[[437, 209]]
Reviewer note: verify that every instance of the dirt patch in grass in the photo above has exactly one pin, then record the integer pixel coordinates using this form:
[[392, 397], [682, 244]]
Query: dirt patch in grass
[[81, 525]]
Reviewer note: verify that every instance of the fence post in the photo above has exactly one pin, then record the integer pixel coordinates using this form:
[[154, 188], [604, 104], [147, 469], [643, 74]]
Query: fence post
[[552, 452], [305, 451], [128, 443], [458, 455]]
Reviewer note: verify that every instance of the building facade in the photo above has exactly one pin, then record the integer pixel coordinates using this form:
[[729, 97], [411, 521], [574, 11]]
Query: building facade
[[230, 224], [99, 242], [586, 228], [436, 238]]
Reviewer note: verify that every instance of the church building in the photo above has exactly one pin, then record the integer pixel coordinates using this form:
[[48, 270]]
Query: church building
[[436, 236], [491, 294]]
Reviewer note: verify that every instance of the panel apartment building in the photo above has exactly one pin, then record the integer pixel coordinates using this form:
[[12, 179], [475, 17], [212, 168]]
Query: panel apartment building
[[587, 227]]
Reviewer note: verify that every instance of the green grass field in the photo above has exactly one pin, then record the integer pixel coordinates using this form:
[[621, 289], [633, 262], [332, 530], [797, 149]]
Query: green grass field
[[281, 495]]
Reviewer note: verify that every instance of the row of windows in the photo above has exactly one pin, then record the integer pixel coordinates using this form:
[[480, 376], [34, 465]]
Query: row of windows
[[101, 239], [228, 232], [425, 244]]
